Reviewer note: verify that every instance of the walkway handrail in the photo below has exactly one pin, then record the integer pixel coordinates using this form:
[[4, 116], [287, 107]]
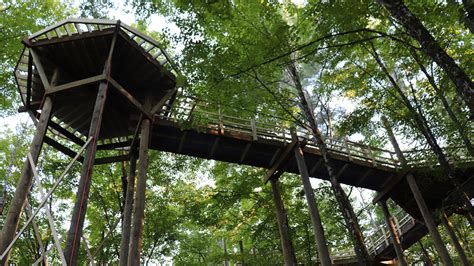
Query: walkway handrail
[[202, 115]]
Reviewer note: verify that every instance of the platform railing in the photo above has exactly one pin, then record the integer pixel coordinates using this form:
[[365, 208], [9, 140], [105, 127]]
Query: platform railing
[[205, 115], [77, 26]]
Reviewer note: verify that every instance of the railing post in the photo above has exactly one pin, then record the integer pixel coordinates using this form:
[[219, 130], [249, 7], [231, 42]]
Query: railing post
[[346, 145], [384, 235], [220, 120], [372, 156], [254, 129]]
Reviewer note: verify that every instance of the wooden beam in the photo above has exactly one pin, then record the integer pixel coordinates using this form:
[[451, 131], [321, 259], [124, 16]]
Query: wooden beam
[[278, 167], [342, 170], [316, 166], [136, 134], [77, 83], [385, 193], [283, 228], [40, 69], [136, 238], [71, 249], [71, 38], [130, 97], [246, 150], [58, 146], [127, 212], [364, 177], [12, 219], [163, 100], [111, 146], [275, 156], [112, 159], [322, 249], [66, 133], [181, 142], [29, 81], [214, 147]]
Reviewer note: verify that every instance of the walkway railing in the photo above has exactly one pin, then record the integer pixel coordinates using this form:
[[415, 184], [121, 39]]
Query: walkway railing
[[203, 115], [380, 239]]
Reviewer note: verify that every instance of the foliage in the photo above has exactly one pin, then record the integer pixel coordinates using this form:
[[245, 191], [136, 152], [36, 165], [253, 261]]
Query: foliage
[[234, 55]]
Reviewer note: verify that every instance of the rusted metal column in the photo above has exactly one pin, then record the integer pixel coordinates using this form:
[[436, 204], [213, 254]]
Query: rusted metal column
[[24, 183], [449, 229], [136, 236], [127, 212], [286, 246], [79, 212], [429, 221], [318, 230], [393, 233]]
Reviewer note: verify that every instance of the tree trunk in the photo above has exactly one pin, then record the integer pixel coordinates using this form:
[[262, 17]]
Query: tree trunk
[[24, 183], [79, 212], [308, 246], [429, 221], [241, 249], [422, 125], [348, 213], [469, 17], [444, 101], [224, 246], [323, 252], [127, 212], [136, 237], [393, 234], [449, 229], [425, 254], [286, 246], [429, 46]]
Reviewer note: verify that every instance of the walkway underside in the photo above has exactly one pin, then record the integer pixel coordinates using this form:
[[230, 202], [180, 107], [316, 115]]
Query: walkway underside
[[237, 147]]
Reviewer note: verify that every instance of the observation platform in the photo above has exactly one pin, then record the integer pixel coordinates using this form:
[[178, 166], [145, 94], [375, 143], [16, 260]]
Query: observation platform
[[68, 61]]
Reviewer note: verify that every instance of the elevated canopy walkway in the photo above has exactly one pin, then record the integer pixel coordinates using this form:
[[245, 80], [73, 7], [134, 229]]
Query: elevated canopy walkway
[[65, 62]]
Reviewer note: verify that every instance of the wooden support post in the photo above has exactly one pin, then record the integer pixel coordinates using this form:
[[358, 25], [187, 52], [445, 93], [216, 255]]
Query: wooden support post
[[393, 233], [139, 202], [420, 201], [77, 221], [286, 246], [449, 229], [429, 221], [74, 235], [323, 252], [24, 183], [127, 212]]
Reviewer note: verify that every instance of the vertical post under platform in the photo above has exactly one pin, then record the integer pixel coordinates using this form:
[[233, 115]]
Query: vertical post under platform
[[286, 246], [139, 202], [127, 212], [393, 234], [323, 252], [429, 221], [77, 221], [24, 183], [449, 229]]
